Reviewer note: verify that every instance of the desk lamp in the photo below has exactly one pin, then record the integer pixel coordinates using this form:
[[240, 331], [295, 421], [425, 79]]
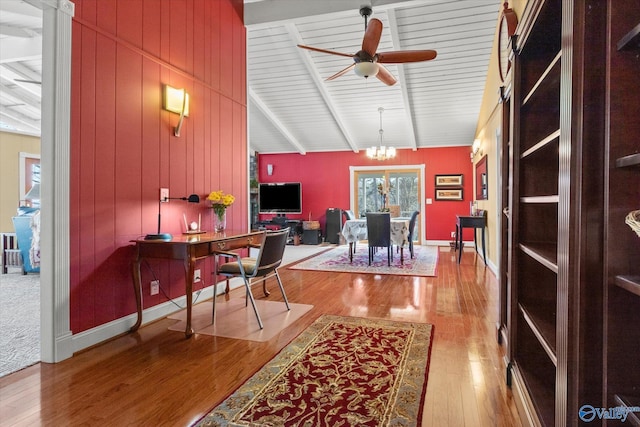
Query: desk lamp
[[194, 198]]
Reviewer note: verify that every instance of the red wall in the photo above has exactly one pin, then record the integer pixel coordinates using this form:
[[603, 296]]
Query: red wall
[[325, 182], [122, 144]]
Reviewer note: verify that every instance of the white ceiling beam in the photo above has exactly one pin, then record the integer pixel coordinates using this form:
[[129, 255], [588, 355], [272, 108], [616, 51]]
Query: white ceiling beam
[[317, 80], [274, 120], [402, 79], [18, 120], [280, 11], [20, 49], [13, 93], [22, 8]]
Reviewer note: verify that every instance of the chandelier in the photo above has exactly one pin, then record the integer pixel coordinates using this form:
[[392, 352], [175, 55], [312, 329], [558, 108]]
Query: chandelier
[[381, 152]]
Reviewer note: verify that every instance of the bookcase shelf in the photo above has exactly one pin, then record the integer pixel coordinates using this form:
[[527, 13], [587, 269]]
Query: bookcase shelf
[[622, 308], [574, 265]]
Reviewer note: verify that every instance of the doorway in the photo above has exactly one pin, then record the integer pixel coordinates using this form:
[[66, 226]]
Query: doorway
[[401, 186]]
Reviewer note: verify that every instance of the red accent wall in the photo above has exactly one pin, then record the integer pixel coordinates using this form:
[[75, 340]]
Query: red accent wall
[[325, 182], [122, 145]]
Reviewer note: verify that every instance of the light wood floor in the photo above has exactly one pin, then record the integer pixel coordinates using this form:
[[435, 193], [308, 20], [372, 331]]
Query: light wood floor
[[157, 377]]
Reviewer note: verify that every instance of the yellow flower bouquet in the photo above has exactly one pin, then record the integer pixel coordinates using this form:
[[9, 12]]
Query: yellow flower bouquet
[[219, 203]]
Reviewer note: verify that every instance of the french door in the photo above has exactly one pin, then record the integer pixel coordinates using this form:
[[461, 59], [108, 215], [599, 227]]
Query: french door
[[403, 185]]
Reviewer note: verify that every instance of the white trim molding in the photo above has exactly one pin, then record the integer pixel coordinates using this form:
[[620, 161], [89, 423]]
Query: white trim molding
[[420, 167], [55, 330]]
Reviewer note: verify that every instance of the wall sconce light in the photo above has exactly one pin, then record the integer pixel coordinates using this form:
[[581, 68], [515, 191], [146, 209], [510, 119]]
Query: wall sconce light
[[176, 101], [475, 147], [269, 170]]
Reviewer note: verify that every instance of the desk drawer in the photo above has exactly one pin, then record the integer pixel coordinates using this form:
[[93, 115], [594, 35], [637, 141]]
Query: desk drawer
[[237, 243]]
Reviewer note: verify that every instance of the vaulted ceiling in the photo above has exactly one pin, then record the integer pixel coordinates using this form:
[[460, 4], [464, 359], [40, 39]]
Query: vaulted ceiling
[[292, 108]]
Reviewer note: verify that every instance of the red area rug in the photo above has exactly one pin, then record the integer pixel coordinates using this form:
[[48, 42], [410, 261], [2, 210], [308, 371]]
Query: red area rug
[[341, 371], [337, 260]]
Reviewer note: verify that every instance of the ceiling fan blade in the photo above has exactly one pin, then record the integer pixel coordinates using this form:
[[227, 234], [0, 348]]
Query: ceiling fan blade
[[331, 52], [385, 76], [401, 56], [372, 36], [339, 73]]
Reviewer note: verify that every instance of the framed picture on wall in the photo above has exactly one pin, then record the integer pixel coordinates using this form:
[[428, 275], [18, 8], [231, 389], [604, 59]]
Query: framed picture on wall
[[449, 180], [448, 193]]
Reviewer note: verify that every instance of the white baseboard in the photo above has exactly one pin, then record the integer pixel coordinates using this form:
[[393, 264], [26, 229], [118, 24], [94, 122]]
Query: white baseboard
[[107, 331]]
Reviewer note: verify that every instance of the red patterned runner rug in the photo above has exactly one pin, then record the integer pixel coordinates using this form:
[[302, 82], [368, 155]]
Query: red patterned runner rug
[[341, 371]]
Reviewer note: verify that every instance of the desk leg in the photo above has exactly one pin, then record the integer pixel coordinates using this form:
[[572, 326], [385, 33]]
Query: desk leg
[[475, 242], [484, 253], [459, 231], [189, 266], [137, 289]]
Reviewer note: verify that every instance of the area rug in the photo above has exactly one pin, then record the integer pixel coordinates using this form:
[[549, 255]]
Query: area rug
[[235, 320], [337, 260], [340, 371], [19, 321]]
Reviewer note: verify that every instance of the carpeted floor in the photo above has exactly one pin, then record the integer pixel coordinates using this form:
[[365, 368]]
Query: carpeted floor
[[340, 371], [19, 321], [337, 260]]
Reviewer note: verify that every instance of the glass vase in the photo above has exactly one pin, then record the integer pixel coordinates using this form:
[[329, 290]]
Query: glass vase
[[219, 221]]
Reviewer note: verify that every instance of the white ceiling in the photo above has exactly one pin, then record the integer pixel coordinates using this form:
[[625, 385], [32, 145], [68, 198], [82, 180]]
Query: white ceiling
[[20, 66], [291, 106]]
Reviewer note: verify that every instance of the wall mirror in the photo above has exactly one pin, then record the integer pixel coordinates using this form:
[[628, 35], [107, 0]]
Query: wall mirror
[[482, 187]]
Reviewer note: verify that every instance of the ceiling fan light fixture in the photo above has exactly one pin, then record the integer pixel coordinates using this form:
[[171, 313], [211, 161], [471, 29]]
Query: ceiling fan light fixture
[[366, 69]]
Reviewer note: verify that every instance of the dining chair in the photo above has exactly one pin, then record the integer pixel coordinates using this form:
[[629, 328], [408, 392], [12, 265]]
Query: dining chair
[[379, 233], [264, 265], [348, 214], [412, 227]]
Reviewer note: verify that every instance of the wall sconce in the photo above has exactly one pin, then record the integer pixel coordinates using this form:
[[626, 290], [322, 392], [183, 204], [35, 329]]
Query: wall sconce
[[176, 101], [475, 147], [269, 170]]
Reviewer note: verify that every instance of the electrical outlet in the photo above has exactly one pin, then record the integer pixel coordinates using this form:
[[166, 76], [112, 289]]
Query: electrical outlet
[[155, 287], [453, 234], [164, 194], [196, 276]]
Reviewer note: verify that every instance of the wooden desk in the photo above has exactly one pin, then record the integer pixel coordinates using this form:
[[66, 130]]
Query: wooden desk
[[470, 222], [189, 249]]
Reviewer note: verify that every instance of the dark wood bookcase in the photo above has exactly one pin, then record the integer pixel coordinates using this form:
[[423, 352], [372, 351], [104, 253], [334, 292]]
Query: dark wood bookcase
[[622, 309], [556, 226]]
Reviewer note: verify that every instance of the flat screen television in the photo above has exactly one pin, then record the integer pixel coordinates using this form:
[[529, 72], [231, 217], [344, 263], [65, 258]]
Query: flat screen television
[[281, 197]]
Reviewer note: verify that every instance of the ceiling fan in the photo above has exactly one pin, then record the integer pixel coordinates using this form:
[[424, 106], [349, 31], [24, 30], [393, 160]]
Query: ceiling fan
[[368, 62]]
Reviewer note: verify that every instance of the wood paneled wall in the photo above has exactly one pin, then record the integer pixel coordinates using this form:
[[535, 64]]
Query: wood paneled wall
[[123, 149], [325, 181]]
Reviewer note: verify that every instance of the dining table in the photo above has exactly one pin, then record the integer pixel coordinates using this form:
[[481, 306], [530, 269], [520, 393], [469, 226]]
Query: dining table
[[354, 230]]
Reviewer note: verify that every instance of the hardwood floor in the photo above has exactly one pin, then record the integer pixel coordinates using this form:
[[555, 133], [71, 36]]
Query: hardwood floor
[[157, 377]]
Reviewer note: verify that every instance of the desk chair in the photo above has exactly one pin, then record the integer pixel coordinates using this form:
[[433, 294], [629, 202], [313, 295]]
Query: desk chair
[[264, 265], [379, 233]]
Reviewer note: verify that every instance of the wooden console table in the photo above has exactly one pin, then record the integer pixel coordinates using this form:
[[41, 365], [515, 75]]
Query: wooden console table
[[189, 249], [474, 222]]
